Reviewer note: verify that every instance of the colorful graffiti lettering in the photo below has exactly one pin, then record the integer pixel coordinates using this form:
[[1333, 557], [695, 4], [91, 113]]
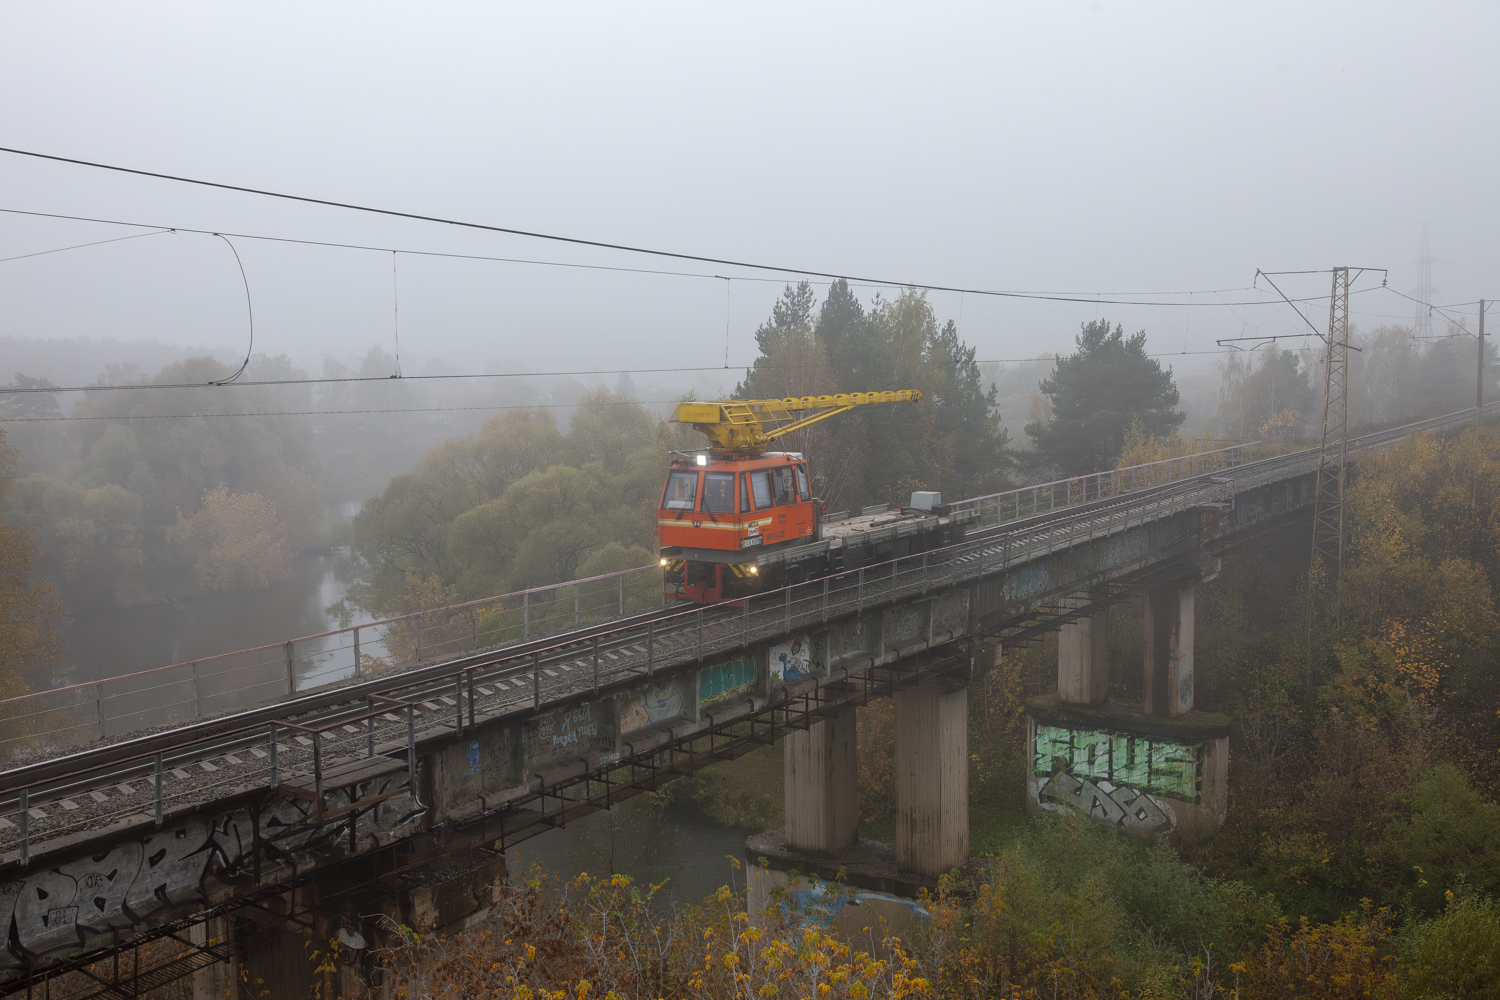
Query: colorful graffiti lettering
[[1160, 767], [724, 679], [660, 703]]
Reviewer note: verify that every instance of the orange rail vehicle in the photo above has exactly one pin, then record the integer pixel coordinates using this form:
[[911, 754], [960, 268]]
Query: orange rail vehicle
[[737, 518]]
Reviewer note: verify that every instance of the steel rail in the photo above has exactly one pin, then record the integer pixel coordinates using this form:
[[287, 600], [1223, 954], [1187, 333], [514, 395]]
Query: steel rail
[[1043, 534]]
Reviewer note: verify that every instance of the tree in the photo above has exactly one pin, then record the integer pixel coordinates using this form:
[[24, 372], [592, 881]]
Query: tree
[[1096, 394], [952, 442], [1271, 401], [30, 613], [234, 540]]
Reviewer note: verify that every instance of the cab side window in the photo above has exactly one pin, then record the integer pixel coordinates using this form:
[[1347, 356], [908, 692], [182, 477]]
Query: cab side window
[[781, 483], [802, 483], [760, 488]]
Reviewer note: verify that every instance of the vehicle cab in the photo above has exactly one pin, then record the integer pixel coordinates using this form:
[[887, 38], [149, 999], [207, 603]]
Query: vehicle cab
[[718, 512]]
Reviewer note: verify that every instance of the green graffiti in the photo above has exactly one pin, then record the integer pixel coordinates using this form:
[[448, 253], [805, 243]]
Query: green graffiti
[[724, 679], [1158, 766]]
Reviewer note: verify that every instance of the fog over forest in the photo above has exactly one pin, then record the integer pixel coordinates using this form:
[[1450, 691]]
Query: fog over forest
[[339, 350]]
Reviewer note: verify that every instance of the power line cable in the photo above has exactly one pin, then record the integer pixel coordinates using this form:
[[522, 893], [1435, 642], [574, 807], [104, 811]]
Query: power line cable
[[16, 390], [553, 237], [1087, 298], [414, 409], [249, 310], [81, 246]]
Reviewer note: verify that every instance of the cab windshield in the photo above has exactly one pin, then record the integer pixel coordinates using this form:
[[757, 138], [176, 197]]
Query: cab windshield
[[682, 491], [718, 493]]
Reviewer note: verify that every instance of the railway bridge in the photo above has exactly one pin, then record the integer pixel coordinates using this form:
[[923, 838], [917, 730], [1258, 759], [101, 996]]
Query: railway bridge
[[152, 810]]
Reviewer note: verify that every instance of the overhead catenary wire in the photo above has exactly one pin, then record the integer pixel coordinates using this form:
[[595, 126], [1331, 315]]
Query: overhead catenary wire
[[249, 310], [82, 246], [16, 390], [1085, 298], [578, 404]]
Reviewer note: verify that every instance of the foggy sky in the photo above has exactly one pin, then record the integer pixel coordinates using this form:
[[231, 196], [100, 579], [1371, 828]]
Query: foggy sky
[[1098, 146]]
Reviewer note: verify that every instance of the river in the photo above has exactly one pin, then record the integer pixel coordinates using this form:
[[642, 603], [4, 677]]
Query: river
[[108, 642]]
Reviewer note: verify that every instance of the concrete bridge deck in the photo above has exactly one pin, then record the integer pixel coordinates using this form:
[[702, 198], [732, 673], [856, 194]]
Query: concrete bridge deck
[[505, 743]]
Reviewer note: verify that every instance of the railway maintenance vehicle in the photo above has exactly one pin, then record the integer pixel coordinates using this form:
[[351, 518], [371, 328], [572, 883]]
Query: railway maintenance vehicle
[[737, 518]]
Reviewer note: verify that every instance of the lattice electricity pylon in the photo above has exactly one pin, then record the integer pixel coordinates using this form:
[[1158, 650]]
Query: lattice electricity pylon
[[1328, 508]]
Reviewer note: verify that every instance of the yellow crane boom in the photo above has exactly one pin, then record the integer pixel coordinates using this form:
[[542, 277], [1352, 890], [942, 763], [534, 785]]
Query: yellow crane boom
[[747, 425]]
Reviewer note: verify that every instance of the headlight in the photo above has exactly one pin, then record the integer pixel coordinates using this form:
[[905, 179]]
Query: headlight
[[754, 570], [665, 561]]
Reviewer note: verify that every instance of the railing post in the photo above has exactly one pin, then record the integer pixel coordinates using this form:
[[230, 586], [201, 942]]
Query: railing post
[[526, 614], [860, 604], [458, 709], [197, 693], [650, 648], [895, 563], [788, 626], [576, 618], [825, 598], [924, 572], [411, 751], [417, 651], [275, 779], [318, 771], [158, 789], [536, 680], [99, 707], [747, 619], [700, 634], [470, 675], [291, 669], [24, 823], [596, 664], [622, 595], [358, 667], [474, 624], [370, 728]]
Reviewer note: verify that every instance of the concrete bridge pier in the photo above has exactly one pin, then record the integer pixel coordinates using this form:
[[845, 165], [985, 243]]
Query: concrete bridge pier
[[932, 776], [822, 785], [1083, 657], [1168, 680]]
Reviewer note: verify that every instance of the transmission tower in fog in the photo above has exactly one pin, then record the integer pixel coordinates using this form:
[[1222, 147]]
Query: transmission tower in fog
[[1421, 327], [1328, 509]]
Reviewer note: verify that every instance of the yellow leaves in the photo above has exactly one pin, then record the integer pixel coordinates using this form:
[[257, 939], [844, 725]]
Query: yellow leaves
[[235, 541]]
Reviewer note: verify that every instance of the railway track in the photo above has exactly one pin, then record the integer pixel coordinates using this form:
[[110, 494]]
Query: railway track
[[384, 721]]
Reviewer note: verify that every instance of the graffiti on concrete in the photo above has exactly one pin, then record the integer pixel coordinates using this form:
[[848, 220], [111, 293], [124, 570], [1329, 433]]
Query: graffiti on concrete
[[791, 659], [1028, 580], [74, 905], [1149, 764], [724, 679], [658, 703], [906, 623], [1185, 685], [569, 726], [1125, 808]]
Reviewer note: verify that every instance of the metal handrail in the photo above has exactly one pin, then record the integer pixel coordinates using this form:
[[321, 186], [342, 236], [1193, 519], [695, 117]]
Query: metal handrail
[[1232, 457], [323, 635], [782, 612]]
